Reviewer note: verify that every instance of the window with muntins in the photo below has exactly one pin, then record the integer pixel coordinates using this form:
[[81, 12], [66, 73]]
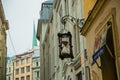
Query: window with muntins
[[22, 78], [28, 60], [22, 70], [28, 77], [17, 63], [17, 71], [22, 61], [28, 69]]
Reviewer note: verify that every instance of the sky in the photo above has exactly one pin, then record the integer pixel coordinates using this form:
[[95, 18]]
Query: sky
[[21, 14]]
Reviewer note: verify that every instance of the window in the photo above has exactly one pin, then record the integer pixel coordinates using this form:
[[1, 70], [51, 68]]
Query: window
[[9, 69], [22, 78], [17, 79], [22, 70], [22, 61], [9, 78], [28, 69], [79, 76], [28, 77], [17, 71], [38, 74], [17, 63], [36, 63], [28, 60]]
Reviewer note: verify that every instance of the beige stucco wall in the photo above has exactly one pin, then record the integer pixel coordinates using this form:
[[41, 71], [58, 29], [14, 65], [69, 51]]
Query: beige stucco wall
[[99, 21], [2, 52], [3, 48]]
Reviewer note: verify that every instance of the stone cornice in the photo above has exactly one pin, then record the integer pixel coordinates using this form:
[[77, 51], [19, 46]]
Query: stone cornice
[[6, 24], [2, 15]]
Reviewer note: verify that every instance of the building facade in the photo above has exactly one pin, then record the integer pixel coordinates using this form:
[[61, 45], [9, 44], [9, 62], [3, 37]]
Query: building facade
[[43, 37], [3, 49], [101, 30], [67, 69], [36, 68], [23, 66], [9, 67], [51, 65], [96, 53]]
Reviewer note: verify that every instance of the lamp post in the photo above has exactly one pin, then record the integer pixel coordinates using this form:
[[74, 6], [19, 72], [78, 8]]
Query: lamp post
[[65, 37]]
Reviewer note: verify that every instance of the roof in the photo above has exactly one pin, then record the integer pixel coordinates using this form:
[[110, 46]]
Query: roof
[[46, 9], [9, 59], [36, 57], [36, 54], [34, 43], [25, 53], [48, 1], [2, 15]]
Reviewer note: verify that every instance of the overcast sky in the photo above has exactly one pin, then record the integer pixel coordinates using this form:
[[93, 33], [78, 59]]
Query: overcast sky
[[21, 14]]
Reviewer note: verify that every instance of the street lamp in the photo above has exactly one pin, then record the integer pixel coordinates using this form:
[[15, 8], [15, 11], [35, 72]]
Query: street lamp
[[65, 38]]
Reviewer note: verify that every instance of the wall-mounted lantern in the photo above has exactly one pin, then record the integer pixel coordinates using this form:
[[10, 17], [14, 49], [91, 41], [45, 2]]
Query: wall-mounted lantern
[[65, 44], [65, 37]]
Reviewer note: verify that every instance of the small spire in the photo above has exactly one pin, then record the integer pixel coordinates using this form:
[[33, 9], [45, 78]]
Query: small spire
[[34, 43]]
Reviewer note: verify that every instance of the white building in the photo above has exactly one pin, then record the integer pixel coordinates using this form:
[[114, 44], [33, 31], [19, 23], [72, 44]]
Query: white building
[[53, 67], [36, 63], [67, 69], [9, 68], [43, 37], [36, 68]]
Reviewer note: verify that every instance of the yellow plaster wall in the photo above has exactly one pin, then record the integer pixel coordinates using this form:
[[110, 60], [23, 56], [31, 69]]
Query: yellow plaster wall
[[88, 5], [90, 35]]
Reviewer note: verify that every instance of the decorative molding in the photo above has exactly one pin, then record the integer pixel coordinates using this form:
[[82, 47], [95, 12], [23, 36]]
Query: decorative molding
[[96, 9], [77, 64], [6, 24]]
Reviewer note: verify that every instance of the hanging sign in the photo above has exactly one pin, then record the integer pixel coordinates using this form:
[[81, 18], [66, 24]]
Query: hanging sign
[[99, 45]]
